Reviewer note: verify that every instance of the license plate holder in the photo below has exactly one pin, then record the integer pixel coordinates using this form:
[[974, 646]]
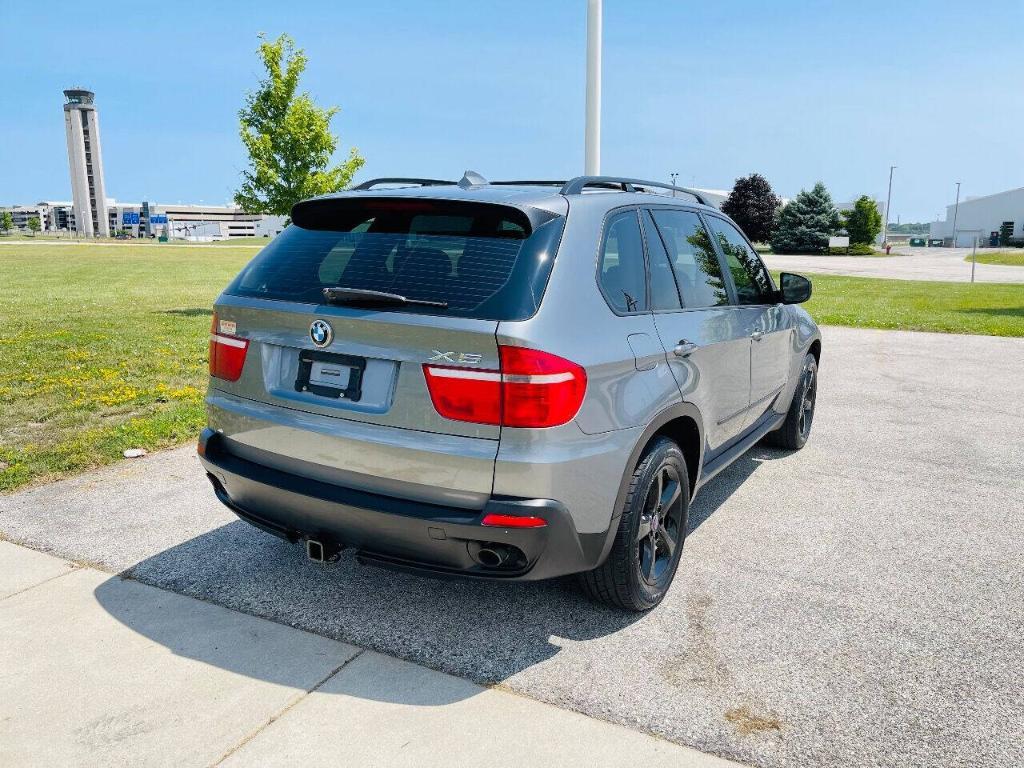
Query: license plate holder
[[326, 364]]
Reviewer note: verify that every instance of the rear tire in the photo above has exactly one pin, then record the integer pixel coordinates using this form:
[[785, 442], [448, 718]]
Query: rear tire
[[795, 430], [650, 535]]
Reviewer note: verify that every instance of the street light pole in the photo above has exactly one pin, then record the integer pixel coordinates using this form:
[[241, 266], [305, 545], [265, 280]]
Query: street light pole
[[956, 210], [674, 177], [974, 257], [592, 134], [888, 202]]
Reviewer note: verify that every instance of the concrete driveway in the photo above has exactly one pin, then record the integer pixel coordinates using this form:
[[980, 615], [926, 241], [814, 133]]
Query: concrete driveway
[[940, 264], [860, 602]]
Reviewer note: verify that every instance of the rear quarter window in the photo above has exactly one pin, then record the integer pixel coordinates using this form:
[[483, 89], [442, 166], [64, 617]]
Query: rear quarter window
[[485, 261]]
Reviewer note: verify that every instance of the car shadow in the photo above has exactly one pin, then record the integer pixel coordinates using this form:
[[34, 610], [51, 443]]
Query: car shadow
[[190, 312], [484, 631], [995, 311]]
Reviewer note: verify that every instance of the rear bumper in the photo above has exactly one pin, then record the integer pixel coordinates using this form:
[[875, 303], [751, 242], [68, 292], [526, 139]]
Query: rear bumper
[[395, 532]]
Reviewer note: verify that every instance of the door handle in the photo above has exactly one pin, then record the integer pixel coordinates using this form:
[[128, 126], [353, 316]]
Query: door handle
[[757, 335], [684, 348]]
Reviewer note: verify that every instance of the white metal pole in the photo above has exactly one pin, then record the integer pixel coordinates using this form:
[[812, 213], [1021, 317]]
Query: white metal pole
[[888, 201], [956, 210], [592, 141], [974, 257]]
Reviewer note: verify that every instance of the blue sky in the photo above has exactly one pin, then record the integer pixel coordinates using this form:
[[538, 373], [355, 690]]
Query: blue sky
[[798, 91]]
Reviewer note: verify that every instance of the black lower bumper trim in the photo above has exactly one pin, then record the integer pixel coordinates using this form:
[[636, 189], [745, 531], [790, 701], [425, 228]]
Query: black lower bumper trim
[[397, 532]]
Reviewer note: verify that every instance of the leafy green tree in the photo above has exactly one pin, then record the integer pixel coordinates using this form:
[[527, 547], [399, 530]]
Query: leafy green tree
[[864, 223], [288, 137], [753, 205], [6, 221], [33, 225], [805, 225]]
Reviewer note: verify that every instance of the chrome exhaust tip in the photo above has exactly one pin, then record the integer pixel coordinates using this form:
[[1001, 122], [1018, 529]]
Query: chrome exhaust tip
[[315, 550], [494, 556]]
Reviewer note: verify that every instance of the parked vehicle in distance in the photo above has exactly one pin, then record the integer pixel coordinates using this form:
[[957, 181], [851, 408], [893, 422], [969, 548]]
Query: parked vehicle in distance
[[508, 380]]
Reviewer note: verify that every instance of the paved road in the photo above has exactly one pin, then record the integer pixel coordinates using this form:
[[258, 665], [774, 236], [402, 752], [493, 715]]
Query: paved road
[[940, 264], [240, 690], [858, 603]]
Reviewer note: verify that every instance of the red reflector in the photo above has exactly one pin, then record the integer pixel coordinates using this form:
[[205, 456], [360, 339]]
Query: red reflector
[[227, 354], [532, 389], [513, 521]]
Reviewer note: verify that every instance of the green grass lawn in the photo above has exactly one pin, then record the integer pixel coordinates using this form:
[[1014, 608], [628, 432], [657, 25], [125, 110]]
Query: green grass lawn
[[980, 308], [1007, 258], [102, 348]]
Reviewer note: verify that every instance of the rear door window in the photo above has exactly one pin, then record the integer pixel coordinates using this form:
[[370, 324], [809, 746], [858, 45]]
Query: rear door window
[[697, 268], [484, 261], [664, 293], [623, 275]]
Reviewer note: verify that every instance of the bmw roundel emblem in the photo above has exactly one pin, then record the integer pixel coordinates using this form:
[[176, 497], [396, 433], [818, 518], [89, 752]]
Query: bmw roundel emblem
[[321, 332]]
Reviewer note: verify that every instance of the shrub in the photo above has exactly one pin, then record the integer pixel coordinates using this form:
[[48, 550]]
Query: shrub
[[855, 249]]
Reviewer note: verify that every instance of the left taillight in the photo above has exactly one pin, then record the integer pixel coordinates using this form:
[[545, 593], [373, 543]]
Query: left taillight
[[227, 354]]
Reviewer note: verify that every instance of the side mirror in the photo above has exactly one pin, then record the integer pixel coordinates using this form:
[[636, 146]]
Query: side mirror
[[795, 289]]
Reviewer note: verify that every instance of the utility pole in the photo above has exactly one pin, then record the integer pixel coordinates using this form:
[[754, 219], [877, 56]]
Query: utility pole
[[888, 202], [974, 257], [956, 210], [592, 137]]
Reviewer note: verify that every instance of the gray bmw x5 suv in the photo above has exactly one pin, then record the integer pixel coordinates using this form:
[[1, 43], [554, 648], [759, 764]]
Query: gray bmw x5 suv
[[507, 380]]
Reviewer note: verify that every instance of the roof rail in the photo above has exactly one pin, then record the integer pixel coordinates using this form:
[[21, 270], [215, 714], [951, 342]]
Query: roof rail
[[577, 185], [531, 183], [398, 180]]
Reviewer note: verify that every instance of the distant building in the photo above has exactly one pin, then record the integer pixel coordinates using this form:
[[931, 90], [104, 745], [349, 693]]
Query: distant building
[[981, 218], [713, 197], [184, 221], [52, 215], [85, 161], [270, 226]]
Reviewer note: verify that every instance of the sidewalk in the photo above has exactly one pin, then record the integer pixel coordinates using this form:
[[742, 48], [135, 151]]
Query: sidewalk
[[98, 670]]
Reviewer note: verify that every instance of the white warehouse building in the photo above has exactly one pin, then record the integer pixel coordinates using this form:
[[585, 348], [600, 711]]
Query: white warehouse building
[[981, 218]]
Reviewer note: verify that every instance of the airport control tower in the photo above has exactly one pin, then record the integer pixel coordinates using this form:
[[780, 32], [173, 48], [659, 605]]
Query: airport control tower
[[85, 160]]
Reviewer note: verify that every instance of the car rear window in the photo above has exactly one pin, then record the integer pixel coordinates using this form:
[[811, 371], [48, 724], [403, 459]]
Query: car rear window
[[485, 261]]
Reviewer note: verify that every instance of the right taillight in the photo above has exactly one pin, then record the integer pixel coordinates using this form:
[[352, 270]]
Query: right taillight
[[532, 389], [227, 354]]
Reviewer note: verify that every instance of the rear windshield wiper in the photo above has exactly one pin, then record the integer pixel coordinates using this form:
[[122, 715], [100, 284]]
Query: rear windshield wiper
[[342, 295]]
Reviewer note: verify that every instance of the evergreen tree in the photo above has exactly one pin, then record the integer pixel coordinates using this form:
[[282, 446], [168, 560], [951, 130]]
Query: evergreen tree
[[805, 225], [753, 205], [864, 223], [1005, 233]]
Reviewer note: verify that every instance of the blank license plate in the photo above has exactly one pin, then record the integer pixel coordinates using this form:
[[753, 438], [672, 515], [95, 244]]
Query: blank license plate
[[330, 374]]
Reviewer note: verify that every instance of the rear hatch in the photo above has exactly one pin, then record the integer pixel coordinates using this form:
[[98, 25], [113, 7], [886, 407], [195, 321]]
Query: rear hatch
[[410, 281]]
